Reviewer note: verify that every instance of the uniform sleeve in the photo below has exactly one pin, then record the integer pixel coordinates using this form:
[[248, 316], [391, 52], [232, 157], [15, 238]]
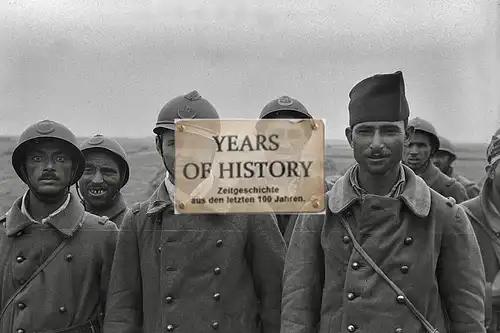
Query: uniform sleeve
[[266, 256], [124, 303], [303, 277], [111, 232], [460, 194], [461, 276]]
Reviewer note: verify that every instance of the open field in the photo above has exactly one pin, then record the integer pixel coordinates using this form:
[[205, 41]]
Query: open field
[[145, 162]]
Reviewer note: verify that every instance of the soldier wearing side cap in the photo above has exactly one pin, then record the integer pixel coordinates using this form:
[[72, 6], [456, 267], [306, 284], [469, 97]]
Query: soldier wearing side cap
[[55, 258], [484, 214], [106, 173], [390, 254], [193, 273], [444, 158], [418, 156], [288, 108]]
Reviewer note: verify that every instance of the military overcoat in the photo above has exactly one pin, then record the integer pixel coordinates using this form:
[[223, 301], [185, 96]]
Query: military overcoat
[[471, 188], [71, 289], [444, 185], [195, 273], [482, 216], [423, 242]]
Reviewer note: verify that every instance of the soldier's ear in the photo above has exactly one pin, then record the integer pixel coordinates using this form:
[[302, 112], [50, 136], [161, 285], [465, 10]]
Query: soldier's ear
[[348, 135], [158, 142], [409, 132]]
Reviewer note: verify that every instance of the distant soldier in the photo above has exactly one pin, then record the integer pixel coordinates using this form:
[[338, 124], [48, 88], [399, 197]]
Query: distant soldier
[[55, 258], [193, 273], [286, 107], [106, 173], [444, 159], [483, 212], [418, 154], [390, 254]]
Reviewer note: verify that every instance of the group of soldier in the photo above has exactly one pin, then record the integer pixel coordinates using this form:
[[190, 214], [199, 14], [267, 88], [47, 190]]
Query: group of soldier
[[404, 246]]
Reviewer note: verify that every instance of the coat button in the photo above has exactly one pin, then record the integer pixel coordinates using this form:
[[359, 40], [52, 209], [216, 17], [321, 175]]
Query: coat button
[[351, 328], [215, 325], [170, 328], [62, 309], [218, 243], [398, 330], [69, 257], [351, 296], [355, 265], [346, 239], [400, 299], [216, 296], [404, 269], [217, 270], [408, 240], [21, 306], [169, 299], [19, 259], [22, 281], [20, 330], [348, 213]]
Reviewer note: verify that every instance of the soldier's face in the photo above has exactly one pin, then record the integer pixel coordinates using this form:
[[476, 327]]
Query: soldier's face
[[442, 160], [49, 167], [378, 146], [191, 149], [101, 179], [418, 151], [291, 137]]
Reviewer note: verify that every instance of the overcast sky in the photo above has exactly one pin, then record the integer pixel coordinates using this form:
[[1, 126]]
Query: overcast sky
[[109, 66]]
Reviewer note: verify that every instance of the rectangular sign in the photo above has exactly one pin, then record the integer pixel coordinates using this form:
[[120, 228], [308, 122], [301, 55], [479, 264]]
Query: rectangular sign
[[249, 166]]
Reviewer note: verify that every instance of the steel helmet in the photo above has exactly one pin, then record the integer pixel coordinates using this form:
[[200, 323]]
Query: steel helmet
[[101, 142], [424, 126], [447, 146], [284, 103], [189, 106], [47, 129]]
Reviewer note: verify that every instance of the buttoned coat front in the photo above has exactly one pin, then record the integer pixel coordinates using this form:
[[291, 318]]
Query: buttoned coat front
[[423, 242], [195, 273], [71, 289]]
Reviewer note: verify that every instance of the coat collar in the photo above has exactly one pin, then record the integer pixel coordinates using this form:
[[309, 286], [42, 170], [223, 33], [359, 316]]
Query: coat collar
[[118, 206], [416, 194], [65, 222], [159, 201]]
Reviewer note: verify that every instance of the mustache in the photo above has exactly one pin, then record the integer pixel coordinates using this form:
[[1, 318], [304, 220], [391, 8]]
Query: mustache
[[377, 153], [48, 176]]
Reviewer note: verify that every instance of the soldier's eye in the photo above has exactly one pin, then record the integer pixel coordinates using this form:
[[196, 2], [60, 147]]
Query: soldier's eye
[[37, 158], [60, 159]]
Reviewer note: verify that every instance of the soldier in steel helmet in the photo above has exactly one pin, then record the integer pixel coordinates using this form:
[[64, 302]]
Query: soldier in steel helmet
[[418, 156], [390, 254], [483, 212], [193, 273], [55, 258], [106, 173], [444, 158], [293, 142]]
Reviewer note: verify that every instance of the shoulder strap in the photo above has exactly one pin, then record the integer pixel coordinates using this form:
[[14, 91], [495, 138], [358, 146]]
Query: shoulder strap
[[61, 246], [486, 228], [428, 326]]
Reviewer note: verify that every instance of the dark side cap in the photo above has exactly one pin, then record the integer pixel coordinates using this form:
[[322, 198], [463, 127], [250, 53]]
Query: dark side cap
[[378, 98]]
